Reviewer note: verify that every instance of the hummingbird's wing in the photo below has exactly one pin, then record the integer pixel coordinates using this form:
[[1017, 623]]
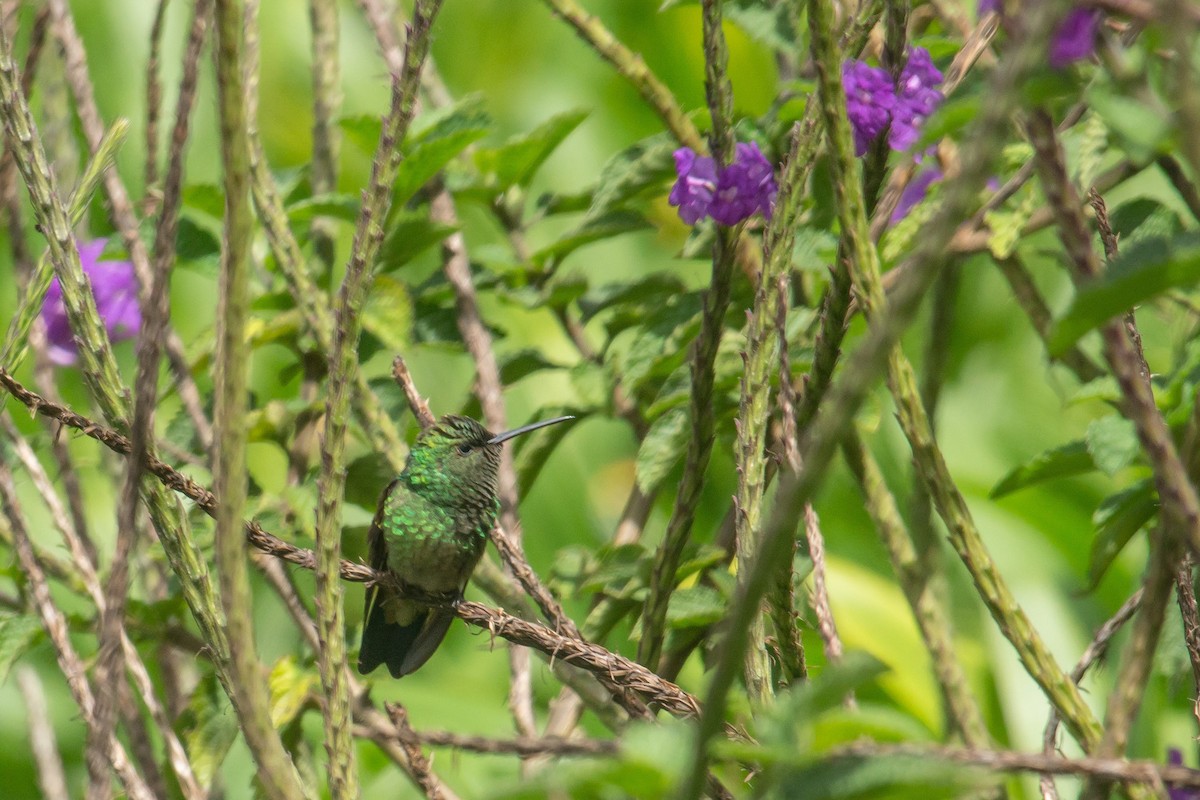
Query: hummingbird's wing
[[376, 640]]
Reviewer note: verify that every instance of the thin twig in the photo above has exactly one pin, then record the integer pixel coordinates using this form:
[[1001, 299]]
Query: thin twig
[[1127, 772], [545, 745], [55, 624], [51, 778], [411, 743], [1091, 655]]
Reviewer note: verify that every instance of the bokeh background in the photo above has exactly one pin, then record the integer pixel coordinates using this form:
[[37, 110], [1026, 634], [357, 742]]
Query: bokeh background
[[1002, 404]]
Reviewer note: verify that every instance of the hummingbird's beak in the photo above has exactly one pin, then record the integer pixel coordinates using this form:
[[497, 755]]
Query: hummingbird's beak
[[533, 426]]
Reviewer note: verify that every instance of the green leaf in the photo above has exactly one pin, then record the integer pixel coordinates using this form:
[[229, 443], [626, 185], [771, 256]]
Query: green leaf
[[662, 447], [605, 226], [1117, 519], [642, 166], [427, 159], [339, 206], [883, 778], [515, 366], [388, 313], [290, 688], [695, 606], [769, 24], [1143, 218], [534, 449], [362, 131], [18, 633], [1141, 272], [1112, 443], [366, 478], [1060, 462], [197, 240], [209, 728], [425, 155], [1006, 224], [515, 162], [643, 290], [409, 234], [1141, 131]]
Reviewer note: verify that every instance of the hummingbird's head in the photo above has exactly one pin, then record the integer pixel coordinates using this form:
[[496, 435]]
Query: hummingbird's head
[[458, 457]]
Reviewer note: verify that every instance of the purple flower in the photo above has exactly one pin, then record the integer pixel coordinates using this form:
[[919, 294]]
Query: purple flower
[[914, 193], [114, 286], [916, 98], [869, 101], [745, 186], [1075, 37], [693, 191], [986, 7], [1175, 759]]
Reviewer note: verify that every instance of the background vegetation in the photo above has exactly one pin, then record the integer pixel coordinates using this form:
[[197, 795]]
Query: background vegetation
[[541, 145]]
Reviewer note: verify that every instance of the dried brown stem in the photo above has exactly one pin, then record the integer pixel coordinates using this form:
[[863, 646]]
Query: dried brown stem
[[624, 679], [546, 745], [407, 738]]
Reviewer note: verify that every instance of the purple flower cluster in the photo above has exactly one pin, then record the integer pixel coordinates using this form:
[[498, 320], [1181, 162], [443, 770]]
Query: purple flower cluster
[[1073, 40], [873, 101], [729, 195], [114, 286], [1075, 37], [1175, 759]]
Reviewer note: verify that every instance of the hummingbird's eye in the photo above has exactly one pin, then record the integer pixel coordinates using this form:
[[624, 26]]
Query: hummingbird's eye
[[464, 448]]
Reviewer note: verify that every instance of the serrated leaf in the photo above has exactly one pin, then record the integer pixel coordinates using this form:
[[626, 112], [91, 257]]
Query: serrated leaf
[[427, 159], [1059, 462], [1006, 225], [695, 606], [515, 162], [339, 206], [1112, 443], [884, 778], [209, 728], [1117, 519], [1140, 130], [813, 249], [388, 313], [605, 226], [644, 165], [197, 242], [662, 447], [362, 131], [1093, 149], [657, 285], [18, 632], [290, 686], [515, 366], [768, 24], [1141, 272], [1143, 218], [409, 234]]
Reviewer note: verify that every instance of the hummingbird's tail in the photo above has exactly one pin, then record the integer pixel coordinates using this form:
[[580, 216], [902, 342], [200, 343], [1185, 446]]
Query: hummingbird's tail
[[403, 647]]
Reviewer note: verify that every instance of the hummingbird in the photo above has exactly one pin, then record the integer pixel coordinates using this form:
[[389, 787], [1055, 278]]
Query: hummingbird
[[430, 530]]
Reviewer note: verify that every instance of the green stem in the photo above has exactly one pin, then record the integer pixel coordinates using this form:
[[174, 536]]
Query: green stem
[[313, 302], [961, 707], [631, 67], [703, 357], [343, 364], [327, 99], [834, 417], [276, 773]]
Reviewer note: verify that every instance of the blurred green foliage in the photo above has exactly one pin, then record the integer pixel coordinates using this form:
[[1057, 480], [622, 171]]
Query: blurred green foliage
[[1053, 478]]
